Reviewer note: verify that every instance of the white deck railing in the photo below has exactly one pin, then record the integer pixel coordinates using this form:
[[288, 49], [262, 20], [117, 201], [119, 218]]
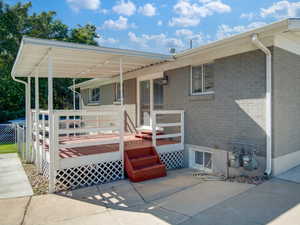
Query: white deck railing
[[74, 123], [167, 124]]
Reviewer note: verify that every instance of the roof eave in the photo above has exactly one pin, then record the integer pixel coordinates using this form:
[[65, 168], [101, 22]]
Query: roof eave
[[115, 51], [283, 23]]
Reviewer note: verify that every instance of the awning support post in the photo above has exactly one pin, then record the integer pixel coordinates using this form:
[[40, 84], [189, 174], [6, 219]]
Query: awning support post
[[52, 172], [121, 82], [122, 121], [28, 119], [37, 124]]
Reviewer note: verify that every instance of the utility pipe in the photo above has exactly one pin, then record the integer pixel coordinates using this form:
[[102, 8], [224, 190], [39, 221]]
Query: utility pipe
[[268, 53]]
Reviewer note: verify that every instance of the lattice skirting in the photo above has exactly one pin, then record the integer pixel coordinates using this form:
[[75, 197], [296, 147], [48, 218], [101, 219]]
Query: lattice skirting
[[87, 175], [45, 168], [172, 160]]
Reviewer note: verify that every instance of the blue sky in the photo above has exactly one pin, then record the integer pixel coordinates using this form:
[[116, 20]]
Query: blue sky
[[157, 25]]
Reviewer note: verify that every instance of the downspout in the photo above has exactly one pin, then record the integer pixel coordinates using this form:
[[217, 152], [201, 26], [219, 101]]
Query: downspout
[[27, 115], [268, 53], [79, 95], [27, 101]]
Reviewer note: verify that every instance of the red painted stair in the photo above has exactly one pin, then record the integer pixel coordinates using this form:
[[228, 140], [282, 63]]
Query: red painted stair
[[143, 164]]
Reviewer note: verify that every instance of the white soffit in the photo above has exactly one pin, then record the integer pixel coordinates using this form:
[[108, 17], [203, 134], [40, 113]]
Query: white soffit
[[72, 60], [289, 41]]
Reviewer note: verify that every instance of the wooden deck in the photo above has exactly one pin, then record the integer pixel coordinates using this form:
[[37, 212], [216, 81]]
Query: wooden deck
[[130, 142]]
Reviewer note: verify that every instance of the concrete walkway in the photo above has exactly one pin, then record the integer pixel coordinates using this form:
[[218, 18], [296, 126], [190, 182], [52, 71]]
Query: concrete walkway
[[13, 180], [178, 199], [292, 175]]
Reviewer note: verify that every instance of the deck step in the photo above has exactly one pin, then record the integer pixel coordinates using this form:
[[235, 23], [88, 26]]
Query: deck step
[[145, 161], [144, 136], [143, 164], [139, 152], [149, 132]]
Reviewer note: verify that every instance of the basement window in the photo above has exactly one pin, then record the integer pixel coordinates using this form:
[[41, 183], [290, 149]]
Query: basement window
[[202, 79], [202, 160]]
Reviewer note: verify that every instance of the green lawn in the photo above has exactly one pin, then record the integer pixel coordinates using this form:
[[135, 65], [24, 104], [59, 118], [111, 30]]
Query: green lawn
[[8, 148]]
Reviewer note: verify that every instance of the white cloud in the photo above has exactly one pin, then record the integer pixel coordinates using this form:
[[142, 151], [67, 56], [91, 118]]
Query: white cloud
[[76, 5], [124, 8], [119, 24], [282, 9], [104, 11], [188, 35], [139, 40], [159, 23], [183, 32], [226, 31], [160, 40], [189, 14], [147, 10], [248, 16], [184, 21], [107, 41]]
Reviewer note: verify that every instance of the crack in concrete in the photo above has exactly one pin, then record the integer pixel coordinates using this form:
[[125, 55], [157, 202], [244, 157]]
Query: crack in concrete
[[174, 211], [138, 193], [25, 211]]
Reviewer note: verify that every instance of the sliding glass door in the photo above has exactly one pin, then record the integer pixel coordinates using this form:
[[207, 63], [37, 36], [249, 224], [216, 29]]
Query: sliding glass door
[[150, 98], [145, 100]]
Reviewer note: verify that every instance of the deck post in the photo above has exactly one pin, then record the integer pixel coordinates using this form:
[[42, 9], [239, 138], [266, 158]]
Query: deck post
[[37, 124], [153, 124], [122, 121], [182, 127], [52, 172], [28, 119], [121, 82]]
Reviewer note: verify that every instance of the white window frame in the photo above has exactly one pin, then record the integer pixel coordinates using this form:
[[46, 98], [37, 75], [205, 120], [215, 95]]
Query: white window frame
[[90, 97], [203, 81], [192, 159]]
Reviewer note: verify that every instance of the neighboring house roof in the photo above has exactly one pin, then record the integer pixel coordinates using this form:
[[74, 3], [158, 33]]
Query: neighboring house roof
[[283, 34], [17, 121]]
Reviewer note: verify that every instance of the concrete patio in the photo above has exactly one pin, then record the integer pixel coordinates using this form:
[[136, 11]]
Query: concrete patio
[[179, 198]]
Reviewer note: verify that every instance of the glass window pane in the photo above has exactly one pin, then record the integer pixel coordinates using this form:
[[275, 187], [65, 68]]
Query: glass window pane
[[197, 79], [207, 160], [199, 158], [118, 92], [208, 77], [94, 95]]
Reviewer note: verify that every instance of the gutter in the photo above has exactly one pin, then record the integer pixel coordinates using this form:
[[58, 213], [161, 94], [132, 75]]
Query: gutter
[[268, 53]]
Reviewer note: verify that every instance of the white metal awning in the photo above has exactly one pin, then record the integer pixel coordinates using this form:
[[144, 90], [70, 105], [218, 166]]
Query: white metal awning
[[72, 60]]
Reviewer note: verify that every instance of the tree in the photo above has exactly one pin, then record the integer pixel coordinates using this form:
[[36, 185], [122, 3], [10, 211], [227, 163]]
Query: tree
[[16, 22], [84, 34]]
